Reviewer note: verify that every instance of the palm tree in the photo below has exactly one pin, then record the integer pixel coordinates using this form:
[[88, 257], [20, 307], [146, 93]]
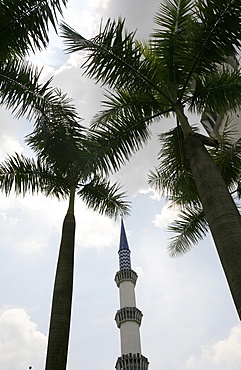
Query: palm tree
[[181, 68], [63, 168]]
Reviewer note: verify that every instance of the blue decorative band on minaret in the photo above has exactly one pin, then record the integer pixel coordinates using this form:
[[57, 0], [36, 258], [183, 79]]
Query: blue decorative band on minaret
[[124, 251]]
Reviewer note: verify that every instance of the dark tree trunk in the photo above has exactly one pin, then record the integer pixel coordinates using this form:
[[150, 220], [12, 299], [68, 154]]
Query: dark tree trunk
[[223, 217], [62, 299]]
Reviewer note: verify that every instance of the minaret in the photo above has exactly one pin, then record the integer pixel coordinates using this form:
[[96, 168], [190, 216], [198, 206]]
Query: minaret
[[128, 318]]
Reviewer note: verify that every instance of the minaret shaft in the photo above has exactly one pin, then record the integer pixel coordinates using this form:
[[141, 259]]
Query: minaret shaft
[[130, 338], [127, 294]]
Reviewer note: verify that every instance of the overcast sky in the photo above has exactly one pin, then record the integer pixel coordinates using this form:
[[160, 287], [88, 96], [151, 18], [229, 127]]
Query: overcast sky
[[189, 319]]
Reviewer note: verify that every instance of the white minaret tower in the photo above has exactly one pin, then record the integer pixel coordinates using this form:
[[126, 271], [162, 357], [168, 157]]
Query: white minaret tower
[[128, 317]]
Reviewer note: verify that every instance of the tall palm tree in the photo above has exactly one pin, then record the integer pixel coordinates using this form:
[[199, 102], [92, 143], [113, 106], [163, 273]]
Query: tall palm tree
[[63, 168], [181, 68]]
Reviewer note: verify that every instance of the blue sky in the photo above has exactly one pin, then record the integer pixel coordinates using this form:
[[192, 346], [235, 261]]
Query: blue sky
[[189, 320]]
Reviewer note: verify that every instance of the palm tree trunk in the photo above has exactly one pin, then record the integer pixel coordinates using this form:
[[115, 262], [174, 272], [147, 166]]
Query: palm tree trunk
[[58, 339], [222, 214]]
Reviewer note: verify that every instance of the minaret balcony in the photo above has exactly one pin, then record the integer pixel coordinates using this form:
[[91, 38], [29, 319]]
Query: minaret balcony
[[125, 275], [128, 314], [132, 362]]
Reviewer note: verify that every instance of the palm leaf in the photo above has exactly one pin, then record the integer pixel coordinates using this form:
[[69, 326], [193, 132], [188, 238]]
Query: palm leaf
[[28, 175], [190, 228], [228, 155], [130, 102], [104, 197], [20, 90], [22, 175], [219, 91], [113, 52], [169, 40], [215, 37], [173, 177], [123, 127], [114, 58], [58, 135], [25, 25]]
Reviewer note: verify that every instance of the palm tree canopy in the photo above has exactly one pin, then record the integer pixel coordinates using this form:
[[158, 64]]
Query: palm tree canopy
[[179, 48], [63, 164], [25, 25], [182, 65]]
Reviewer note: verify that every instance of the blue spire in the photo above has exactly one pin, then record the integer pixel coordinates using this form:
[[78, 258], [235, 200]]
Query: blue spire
[[124, 251]]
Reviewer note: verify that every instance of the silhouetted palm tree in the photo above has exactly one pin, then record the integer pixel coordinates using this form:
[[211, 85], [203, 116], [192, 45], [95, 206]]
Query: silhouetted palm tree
[[63, 168], [182, 67]]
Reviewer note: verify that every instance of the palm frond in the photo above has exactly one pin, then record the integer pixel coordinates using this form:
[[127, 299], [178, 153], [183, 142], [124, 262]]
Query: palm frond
[[173, 177], [215, 37], [114, 57], [58, 135], [23, 175], [123, 127], [172, 16], [222, 19], [219, 91], [25, 25], [190, 228], [130, 102], [111, 54], [113, 145], [169, 40], [104, 197], [228, 155], [20, 90]]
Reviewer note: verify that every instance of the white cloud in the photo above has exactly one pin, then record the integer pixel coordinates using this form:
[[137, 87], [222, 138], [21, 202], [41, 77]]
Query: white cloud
[[9, 145], [94, 230], [139, 270], [225, 354], [154, 194], [21, 344], [167, 215], [45, 215]]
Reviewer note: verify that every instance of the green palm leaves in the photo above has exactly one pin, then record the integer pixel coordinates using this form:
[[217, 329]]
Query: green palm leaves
[[24, 28], [182, 67], [25, 25], [188, 230], [63, 163], [177, 52], [23, 175]]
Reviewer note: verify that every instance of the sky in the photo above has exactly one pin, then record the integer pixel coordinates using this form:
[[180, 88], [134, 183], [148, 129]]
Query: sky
[[189, 321]]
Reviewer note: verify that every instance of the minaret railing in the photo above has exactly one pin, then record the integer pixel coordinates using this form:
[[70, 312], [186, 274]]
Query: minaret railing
[[132, 362], [128, 314], [125, 275]]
